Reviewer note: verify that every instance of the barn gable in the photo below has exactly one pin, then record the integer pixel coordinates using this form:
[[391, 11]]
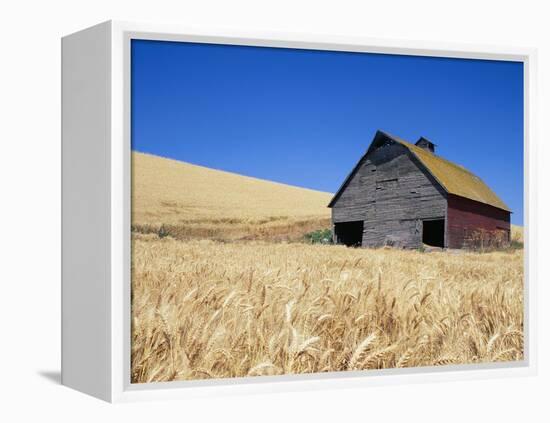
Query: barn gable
[[385, 199]]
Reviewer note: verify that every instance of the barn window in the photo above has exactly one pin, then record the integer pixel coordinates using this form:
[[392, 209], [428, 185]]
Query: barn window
[[349, 233], [433, 232]]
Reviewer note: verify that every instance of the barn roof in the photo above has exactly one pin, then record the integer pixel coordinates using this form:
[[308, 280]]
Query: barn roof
[[452, 177]]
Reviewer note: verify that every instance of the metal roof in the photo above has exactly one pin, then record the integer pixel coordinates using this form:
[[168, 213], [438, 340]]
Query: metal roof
[[452, 177]]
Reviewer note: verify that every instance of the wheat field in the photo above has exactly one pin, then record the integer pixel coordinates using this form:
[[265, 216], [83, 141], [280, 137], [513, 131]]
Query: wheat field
[[221, 294], [190, 201]]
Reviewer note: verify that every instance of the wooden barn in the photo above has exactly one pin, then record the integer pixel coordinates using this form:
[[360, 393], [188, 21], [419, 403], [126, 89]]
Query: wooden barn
[[404, 195]]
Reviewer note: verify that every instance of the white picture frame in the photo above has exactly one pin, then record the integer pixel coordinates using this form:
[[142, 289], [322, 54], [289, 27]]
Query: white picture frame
[[96, 213]]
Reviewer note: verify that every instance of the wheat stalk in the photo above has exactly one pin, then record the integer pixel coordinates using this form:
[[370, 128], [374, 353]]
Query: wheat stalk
[[361, 350], [405, 358]]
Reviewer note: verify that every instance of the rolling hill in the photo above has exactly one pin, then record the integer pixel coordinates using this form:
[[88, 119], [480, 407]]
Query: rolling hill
[[194, 201]]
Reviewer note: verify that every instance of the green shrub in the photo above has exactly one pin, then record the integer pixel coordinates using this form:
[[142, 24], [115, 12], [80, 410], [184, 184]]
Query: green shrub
[[163, 232], [320, 236], [516, 245]]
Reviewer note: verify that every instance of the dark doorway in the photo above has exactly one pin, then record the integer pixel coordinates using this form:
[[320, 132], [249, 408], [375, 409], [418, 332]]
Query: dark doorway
[[433, 232], [349, 233]]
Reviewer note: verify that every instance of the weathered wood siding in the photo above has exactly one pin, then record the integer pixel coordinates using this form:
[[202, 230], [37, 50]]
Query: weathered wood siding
[[391, 192], [465, 216]]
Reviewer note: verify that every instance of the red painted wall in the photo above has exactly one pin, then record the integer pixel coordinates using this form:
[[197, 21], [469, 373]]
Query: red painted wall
[[465, 216]]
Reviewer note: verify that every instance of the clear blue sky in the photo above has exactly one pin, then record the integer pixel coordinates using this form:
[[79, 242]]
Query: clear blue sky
[[305, 117]]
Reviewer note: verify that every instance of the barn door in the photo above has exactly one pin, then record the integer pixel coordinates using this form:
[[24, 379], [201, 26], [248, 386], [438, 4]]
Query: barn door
[[433, 232]]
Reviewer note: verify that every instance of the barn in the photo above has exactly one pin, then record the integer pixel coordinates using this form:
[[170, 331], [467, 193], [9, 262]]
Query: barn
[[404, 195]]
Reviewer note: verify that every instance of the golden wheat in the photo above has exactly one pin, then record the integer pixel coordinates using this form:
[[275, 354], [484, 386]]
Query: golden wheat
[[207, 309]]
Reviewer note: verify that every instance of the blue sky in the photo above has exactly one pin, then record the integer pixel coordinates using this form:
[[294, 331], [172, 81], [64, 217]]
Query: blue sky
[[305, 117]]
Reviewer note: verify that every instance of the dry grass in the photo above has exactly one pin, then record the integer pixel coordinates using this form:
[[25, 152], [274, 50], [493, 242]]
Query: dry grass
[[206, 309], [517, 234], [275, 229]]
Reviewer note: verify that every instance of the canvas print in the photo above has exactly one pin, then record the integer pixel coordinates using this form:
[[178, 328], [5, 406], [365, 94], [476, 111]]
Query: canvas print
[[298, 211]]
